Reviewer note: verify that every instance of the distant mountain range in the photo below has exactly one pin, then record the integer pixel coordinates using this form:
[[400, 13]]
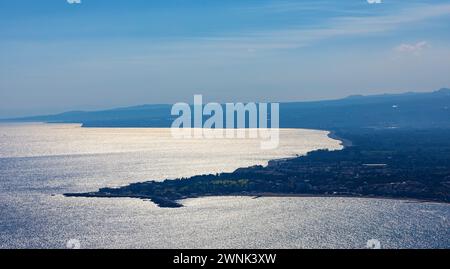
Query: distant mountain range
[[407, 110]]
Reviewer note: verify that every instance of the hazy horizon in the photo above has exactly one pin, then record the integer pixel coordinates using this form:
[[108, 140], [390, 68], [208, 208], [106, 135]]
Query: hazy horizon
[[98, 109], [96, 55]]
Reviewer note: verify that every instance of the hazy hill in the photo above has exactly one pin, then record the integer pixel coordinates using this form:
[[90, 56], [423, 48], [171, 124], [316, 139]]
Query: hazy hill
[[409, 110]]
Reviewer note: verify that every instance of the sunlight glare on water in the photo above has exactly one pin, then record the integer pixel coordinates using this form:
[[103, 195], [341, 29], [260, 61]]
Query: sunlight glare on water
[[40, 162]]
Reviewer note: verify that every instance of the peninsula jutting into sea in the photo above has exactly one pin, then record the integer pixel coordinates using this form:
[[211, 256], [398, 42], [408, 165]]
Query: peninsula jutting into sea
[[379, 164], [396, 146]]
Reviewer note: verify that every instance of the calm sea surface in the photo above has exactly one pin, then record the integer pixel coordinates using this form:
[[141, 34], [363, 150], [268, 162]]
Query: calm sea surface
[[39, 162]]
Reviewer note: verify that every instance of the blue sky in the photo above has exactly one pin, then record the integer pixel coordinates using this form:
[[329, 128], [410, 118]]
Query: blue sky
[[56, 56]]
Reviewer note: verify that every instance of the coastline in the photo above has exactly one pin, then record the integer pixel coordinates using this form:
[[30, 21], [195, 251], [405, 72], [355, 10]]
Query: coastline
[[169, 203], [166, 203], [344, 142], [321, 173], [412, 200]]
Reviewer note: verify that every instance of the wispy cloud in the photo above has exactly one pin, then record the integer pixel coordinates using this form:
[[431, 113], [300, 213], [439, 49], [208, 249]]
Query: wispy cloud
[[412, 48], [300, 36]]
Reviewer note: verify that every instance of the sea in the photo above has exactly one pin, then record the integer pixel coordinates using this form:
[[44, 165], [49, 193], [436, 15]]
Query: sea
[[40, 162]]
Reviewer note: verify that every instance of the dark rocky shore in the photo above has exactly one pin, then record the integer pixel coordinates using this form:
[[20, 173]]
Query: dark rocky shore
[[387, 163]]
